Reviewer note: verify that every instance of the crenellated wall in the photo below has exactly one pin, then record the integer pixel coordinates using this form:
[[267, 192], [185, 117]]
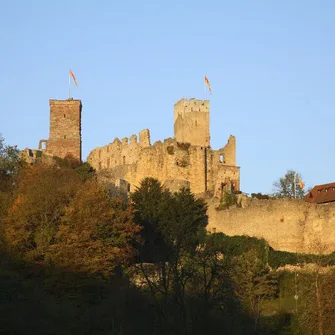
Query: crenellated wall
[[168, 161]]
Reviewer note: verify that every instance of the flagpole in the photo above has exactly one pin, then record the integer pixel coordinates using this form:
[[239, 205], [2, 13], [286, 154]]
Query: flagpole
[[205, 87], [295, 177], [69, 85]]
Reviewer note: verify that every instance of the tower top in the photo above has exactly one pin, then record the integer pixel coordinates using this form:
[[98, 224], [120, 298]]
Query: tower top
[[193, 103], [70, 101], [191, 122]]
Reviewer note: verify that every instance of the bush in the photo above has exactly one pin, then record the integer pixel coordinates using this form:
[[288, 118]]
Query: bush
[[183, 146], [260, 196], [170, 150], [227, 199]]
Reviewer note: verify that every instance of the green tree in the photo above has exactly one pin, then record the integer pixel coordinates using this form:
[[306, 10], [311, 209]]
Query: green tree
[[85, 171], [173, 226], [315, 288], [254, 282], [289, 186], [147, 202], [10, 161], [183, 220], [10, 165]]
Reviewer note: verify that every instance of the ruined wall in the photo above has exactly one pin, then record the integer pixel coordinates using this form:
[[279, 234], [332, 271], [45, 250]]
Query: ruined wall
[[191, 122], [65, 128], [165, 161], [223, 174], [170, 162], [185, 160], [286, 224]]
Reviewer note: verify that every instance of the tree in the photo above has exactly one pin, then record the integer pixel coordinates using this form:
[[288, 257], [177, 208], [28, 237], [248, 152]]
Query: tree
[[289, 186], [147, 202], [57, 218], [316, 303], [173, 225], [95, 233], [10, 161], [40, 198], [254, 282], [10, 165], [183, 220]]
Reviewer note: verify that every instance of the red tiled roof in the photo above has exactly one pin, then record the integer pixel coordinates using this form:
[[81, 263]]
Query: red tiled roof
[[321, 194]]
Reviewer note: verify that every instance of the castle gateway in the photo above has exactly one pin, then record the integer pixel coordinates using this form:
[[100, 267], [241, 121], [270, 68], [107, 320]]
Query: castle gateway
[[185, 161]]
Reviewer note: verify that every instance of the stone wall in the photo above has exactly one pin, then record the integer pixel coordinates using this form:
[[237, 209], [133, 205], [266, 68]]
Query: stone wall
[[286, 224], [191, 122], [65, 129], [197, 167], [222, 170]]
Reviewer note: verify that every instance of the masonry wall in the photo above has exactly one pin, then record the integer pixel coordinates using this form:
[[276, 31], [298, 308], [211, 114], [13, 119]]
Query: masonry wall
[[65, 128], [223, 174], [287, 224], [191, 122], [170, 162]]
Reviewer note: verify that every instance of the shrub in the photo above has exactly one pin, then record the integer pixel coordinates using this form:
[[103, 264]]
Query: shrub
[[170, 150], [183, 146], [227, 199]]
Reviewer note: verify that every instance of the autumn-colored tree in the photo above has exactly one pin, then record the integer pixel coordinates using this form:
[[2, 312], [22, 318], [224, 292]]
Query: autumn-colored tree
[[41, 196], [95, 233]]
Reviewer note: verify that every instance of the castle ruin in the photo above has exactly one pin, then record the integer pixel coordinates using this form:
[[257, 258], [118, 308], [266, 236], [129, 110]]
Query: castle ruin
[[65, 132], [187, 160]]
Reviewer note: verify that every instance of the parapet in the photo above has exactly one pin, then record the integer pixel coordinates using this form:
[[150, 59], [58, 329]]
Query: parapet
[[185, 106], [116, 141], [145, 138], [193, 103], [70, 101], [133, 139]]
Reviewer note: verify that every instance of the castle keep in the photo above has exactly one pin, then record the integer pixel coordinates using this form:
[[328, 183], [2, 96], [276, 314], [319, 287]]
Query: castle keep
[[65, 131], [186, 160]]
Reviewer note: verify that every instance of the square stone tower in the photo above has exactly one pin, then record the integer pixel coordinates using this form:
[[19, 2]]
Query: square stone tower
[[191, 122], [65, 128]]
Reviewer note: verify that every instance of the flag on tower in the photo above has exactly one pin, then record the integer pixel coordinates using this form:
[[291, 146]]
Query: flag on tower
[[301, 184], [208, 84], [73, 77]]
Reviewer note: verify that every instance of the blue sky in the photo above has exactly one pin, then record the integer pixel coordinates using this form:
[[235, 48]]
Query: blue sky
[[270, 64]]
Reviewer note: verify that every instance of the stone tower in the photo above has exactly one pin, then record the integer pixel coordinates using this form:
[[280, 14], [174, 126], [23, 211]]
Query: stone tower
[[65, 128], [191, 122]]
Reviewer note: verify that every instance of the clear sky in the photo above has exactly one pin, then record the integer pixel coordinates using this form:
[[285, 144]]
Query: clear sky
[[270, 64]]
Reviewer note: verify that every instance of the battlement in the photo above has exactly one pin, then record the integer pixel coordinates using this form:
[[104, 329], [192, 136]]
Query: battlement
[[192, 102], [144, 139], [53, 102], [184, 106]]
